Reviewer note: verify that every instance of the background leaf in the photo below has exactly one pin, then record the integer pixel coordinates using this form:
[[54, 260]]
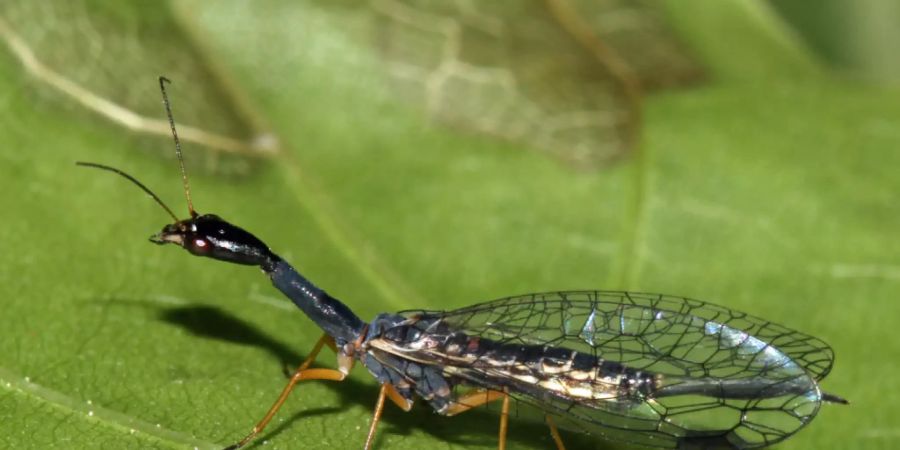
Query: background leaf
[[772, 190], [509, 70], [86, 54], [853, 37], [559, 76], [641, 36]]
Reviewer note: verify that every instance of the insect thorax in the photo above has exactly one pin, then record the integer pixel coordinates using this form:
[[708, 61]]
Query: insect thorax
[[407, 375]]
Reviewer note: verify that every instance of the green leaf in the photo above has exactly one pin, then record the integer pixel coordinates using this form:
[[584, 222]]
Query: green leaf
[[559, 76], [771, 190], [854, 37], [88, 55]]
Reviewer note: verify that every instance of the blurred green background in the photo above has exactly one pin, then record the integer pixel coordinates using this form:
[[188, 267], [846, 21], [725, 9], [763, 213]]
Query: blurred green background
[[757, 169]]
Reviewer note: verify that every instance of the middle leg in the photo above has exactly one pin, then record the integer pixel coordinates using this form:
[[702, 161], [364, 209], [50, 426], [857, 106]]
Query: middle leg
[[476, 399]]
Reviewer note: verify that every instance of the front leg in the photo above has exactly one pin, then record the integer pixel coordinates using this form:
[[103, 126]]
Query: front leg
[[302, 373]]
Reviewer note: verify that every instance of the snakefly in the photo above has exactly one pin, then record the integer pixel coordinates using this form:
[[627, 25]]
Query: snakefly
[[645, 369]]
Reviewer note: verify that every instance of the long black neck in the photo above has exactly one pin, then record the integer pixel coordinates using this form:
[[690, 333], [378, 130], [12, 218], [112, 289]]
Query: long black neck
[[332, 316]]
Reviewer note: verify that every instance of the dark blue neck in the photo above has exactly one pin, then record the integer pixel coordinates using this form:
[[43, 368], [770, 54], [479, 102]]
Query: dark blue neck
[[332, 316]]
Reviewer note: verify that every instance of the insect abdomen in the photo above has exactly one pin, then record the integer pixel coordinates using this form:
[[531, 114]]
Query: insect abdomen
[[559, 370]]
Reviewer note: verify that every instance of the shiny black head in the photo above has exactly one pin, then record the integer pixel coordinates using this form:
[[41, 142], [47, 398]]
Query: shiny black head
[[211, 236], [202, 235]]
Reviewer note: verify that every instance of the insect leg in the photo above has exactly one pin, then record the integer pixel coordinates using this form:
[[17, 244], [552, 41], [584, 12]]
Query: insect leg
[[473, 400], [379, 407], [389, 391], [554, 433], [476, 399], [504, 422], [303, 373], [398, 399], [326, 340]]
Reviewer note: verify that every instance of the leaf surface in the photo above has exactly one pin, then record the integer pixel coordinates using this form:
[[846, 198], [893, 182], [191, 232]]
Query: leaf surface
[[771, 190]]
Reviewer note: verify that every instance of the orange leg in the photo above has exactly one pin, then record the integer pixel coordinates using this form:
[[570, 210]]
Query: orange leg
[[387, 391], [557, 439], [302, 373], [504, 422], [398, 399], [476, 399], [324, 340], [473, 400], [379, 407]]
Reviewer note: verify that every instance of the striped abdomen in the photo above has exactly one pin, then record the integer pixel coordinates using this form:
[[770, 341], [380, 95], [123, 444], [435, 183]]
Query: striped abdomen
[[537, 369]]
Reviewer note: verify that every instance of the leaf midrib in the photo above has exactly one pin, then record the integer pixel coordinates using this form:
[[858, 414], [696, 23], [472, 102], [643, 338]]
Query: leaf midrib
[[116, 420]]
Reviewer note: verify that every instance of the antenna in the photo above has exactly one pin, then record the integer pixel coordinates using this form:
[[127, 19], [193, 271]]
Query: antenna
[[184, 178], [133, 180]]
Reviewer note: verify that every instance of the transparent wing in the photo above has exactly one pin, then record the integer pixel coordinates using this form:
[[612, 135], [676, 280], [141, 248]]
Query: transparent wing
[[725, 379], [653, 332]]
